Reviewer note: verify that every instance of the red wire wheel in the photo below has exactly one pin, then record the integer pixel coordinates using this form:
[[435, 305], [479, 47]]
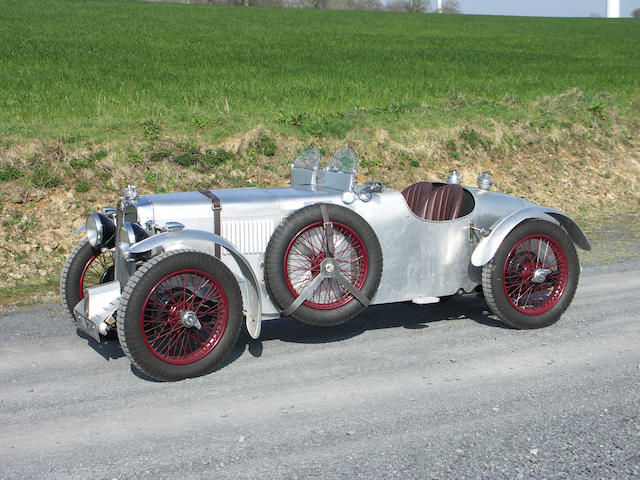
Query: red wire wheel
[[296, 252], [180, 315], [533, 276], [163, 330], [98, 269], [533, 254], [85, 267], [305, 253]]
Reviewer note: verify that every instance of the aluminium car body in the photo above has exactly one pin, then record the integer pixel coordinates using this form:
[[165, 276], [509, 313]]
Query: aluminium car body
[[319, 250]]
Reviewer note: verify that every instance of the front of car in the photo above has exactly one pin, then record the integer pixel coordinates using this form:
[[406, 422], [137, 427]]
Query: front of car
[[233, 225], [175, 273]]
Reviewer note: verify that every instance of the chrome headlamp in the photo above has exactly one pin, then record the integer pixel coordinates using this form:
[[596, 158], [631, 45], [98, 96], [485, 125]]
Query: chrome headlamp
[[130, 233], [100, 230]]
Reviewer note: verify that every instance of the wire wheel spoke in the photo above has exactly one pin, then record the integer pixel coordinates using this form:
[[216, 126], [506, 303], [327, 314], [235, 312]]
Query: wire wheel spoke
[[162, 327], [305, 254], [99, 269], [531, 257]]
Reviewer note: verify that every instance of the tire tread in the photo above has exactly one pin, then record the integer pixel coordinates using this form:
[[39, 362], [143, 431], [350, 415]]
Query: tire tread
[[64, 277]]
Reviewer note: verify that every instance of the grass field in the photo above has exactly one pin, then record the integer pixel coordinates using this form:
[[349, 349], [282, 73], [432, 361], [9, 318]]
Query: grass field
[[100, 68]]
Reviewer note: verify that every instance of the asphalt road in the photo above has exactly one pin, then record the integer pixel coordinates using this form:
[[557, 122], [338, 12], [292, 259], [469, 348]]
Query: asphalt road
[[401, 392]]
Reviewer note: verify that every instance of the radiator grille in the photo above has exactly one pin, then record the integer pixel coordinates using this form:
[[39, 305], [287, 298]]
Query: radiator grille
[[248, 236], [120, 265], [123, 269]]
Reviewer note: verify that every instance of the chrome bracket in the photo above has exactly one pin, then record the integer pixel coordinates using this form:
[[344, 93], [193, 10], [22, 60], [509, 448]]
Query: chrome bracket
[[475, 233]]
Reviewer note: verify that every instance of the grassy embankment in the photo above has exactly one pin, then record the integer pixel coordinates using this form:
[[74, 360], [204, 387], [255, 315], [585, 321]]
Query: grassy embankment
[[173, 97]]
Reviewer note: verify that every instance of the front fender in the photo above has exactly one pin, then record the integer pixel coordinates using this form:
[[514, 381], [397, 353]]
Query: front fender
[[205, 242], [487, 247]]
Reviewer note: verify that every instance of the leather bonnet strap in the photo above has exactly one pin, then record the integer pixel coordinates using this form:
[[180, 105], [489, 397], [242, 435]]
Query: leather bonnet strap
[[216, 207]]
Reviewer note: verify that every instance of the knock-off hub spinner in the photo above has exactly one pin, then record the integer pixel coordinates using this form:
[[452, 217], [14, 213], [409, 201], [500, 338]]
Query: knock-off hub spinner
[[189, 319], [540, 275]]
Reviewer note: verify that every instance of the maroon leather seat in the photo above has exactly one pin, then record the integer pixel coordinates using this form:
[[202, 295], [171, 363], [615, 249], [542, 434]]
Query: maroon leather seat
[[443, 203], [440, 204], [416, 196]]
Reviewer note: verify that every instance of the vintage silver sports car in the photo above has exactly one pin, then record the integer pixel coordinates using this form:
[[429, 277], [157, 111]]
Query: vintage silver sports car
[[174, 274]]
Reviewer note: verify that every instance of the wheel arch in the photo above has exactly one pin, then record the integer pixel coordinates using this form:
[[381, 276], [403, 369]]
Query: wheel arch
[[206, 242], [487, 247]]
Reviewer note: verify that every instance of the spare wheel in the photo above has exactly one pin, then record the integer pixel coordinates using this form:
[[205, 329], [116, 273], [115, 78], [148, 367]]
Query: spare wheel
[[320, 282]]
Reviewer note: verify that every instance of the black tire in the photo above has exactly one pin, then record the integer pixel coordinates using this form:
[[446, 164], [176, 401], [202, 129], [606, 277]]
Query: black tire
[[85, 267], [507, 281], [352, 236], [150, 324]]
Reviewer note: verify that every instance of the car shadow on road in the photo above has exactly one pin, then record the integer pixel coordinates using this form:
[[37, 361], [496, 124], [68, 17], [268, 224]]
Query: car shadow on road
[[109, 348], [397, 315], [389, 316]]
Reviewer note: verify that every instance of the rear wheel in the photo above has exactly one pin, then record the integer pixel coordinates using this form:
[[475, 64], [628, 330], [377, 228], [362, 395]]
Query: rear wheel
[[533, 276], [85, 267], [180, 315]]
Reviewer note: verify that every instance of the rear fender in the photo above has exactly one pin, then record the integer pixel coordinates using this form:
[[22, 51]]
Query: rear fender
[[206, 242], [487, 247]]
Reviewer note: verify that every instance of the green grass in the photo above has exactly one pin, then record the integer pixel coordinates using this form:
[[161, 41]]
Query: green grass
[[95, 70]]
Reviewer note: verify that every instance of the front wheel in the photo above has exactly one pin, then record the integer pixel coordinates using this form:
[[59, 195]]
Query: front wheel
[[533, 276], [180, 315], [85, 267]]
